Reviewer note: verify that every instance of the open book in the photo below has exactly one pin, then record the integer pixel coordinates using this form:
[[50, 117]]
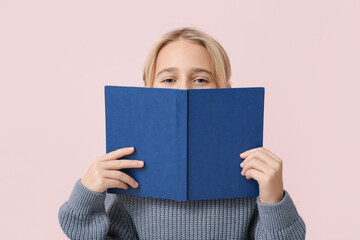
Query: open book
[[189, 139]]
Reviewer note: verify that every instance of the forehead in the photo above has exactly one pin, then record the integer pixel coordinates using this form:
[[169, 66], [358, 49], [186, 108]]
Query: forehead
[[183, 55]]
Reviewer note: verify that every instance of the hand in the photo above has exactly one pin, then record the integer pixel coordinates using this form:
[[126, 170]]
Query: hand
[[103, 172], [266, 168]]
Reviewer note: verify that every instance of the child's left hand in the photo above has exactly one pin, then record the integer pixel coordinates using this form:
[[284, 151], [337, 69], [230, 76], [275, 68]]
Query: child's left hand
[[266, 168]]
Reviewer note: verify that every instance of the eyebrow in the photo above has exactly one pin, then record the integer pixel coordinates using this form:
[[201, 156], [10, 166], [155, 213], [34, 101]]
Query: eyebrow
[[173, 69]]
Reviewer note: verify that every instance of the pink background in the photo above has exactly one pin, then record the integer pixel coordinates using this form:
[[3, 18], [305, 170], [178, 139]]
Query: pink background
[[56, 57]]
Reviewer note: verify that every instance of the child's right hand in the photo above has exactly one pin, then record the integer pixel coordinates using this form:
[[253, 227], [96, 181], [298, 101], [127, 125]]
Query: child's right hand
[[103, 172]]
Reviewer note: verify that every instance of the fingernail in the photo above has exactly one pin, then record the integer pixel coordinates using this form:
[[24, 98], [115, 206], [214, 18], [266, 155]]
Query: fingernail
[[140, 162], [242, 155], [131, 148], [136, 185]]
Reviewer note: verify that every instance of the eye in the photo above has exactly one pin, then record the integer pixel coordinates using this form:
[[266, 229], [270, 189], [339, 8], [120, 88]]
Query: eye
[[166, 80], [204, 80]]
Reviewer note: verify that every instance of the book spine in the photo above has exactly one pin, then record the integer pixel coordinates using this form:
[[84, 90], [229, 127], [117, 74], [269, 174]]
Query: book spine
[[182, 143]]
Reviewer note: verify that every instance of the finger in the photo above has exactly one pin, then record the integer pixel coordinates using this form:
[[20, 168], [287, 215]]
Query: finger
[[255, 174], [271, 154], [246, 153], [121, 176], [256, 164], [121, 164], [265, 157], [260, 149], [119, 153], [115, 183]]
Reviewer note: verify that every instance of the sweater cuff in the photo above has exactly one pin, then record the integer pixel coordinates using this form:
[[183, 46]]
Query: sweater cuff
[[86, 202], [275, 217]]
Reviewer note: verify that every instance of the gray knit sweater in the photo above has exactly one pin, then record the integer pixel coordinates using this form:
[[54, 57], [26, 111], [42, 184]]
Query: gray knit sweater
[[91, 215]]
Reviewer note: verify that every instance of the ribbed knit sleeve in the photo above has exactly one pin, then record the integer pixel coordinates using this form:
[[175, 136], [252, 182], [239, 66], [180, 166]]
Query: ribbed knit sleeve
[[277, 221], [83, 216]]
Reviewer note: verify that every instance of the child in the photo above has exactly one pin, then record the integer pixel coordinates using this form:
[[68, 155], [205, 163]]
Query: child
[[185, 59]]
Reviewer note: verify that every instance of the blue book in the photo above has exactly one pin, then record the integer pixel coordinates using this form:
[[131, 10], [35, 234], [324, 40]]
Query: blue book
[[189, 139]]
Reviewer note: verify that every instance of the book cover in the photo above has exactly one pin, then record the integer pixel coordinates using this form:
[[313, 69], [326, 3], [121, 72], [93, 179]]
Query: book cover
[[189, 139]]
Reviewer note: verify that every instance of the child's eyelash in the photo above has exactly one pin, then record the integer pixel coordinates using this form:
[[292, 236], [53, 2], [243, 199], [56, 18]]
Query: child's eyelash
[[165, 80], [202, 79]]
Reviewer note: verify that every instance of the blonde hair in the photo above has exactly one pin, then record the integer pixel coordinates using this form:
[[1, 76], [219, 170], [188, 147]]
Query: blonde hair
[[221, 67]]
